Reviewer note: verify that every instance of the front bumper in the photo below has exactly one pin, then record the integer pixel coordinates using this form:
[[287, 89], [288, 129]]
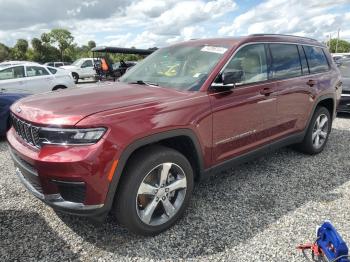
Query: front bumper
[[56, 201], [69, 179], [344, 104]]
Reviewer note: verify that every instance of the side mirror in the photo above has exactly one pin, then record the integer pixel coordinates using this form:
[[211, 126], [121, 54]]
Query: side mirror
[[231, 77], [227, 80]]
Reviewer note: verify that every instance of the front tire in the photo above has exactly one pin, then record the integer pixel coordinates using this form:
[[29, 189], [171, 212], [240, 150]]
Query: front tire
[[317, 133], [75, 77], [155, 191]]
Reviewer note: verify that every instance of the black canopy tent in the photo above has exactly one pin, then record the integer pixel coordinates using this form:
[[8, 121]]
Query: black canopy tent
[[108, 71], [123, 50]]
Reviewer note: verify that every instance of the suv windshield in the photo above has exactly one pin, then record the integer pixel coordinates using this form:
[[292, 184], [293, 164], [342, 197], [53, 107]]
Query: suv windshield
[[77, 62], [181, 67]]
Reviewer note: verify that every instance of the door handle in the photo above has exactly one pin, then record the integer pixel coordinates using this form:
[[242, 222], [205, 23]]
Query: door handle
[[311, 82], [266, 91]]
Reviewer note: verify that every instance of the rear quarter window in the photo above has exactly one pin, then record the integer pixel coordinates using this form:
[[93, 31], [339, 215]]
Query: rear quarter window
[[316, 59], [285, 61], [52, 70]]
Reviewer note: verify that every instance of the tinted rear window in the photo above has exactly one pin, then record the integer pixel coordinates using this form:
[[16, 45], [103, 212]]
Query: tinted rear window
[[285, 61], [316, 59]]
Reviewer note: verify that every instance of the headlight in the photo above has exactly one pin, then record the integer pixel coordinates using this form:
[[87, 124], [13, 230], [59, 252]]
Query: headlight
[[57, 136]]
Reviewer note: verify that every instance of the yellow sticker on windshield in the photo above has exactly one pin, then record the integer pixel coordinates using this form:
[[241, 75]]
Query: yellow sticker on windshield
[[214, 49]]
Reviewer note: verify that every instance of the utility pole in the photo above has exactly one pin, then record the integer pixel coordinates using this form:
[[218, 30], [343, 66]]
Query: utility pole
[[336, 46]]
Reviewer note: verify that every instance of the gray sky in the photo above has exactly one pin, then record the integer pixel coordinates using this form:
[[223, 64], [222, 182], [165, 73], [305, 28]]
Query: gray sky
[[149, 23]]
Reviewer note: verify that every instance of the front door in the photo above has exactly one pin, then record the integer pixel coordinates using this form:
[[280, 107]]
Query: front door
[[239, 114], [87, 69]]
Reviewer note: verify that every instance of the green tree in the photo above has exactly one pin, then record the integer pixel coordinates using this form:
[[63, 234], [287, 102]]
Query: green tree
[[91, 44], [343, 46], [4, 52], [45, 38], [50, 53], [38, 50], [62, 38], [20, 49]]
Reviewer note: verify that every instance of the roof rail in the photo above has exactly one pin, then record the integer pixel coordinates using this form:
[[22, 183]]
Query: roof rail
[[285, 35]]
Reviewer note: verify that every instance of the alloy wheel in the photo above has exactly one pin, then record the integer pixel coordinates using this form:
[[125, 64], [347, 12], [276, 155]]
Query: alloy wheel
[[161, 194], [320, 131]]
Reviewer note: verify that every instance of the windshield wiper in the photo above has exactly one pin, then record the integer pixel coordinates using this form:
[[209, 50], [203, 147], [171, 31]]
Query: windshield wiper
[[141, 82]]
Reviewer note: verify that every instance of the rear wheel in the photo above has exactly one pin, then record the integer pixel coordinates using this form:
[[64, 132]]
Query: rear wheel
[[155, 192], [318, 131]]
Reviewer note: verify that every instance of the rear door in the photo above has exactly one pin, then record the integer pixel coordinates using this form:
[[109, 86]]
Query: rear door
[[12, 80], [38, 79], [321, 77], [289, 73], [238, 114]]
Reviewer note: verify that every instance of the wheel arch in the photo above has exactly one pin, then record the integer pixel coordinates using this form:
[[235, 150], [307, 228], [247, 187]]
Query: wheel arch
[[56, 87], [174, 139], [327, 100], [328, 103]]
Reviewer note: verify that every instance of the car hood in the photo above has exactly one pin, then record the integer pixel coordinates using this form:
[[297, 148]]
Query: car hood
[[68, 107]]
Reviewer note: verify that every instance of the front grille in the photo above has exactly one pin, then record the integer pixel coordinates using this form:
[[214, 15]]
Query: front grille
[[26, 131]]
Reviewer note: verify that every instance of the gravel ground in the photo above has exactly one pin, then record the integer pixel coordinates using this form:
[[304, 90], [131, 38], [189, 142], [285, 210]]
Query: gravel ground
[[257, 212]]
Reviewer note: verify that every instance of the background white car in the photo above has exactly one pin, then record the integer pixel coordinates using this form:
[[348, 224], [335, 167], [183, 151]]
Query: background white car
[[10, 63], [81, 68], [57, 64], [34, 79]]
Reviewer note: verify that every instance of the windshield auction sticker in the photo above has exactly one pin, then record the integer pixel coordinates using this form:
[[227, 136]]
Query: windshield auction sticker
[[214, 49]]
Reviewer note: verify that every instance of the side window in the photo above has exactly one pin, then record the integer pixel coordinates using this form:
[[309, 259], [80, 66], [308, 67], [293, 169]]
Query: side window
[[50, 64], [12, 73], [52, 70], [285, 61], [250, 64], [304, 65], [36, 71], [87, 63], [58, 64], [316, 58]]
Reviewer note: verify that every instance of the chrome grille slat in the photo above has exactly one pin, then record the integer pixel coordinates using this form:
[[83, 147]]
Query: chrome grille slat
[[26, 131]]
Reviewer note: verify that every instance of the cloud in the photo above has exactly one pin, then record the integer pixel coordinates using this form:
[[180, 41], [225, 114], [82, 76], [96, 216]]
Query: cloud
[[307, 18], [189, 13], [15, 14], [149, 23]]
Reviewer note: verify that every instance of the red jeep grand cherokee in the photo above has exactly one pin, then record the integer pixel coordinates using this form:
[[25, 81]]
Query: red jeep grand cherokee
[[135, 147]]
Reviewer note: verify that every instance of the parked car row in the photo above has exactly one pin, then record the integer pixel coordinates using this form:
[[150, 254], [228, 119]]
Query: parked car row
[[34, 79], [18, 79]]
